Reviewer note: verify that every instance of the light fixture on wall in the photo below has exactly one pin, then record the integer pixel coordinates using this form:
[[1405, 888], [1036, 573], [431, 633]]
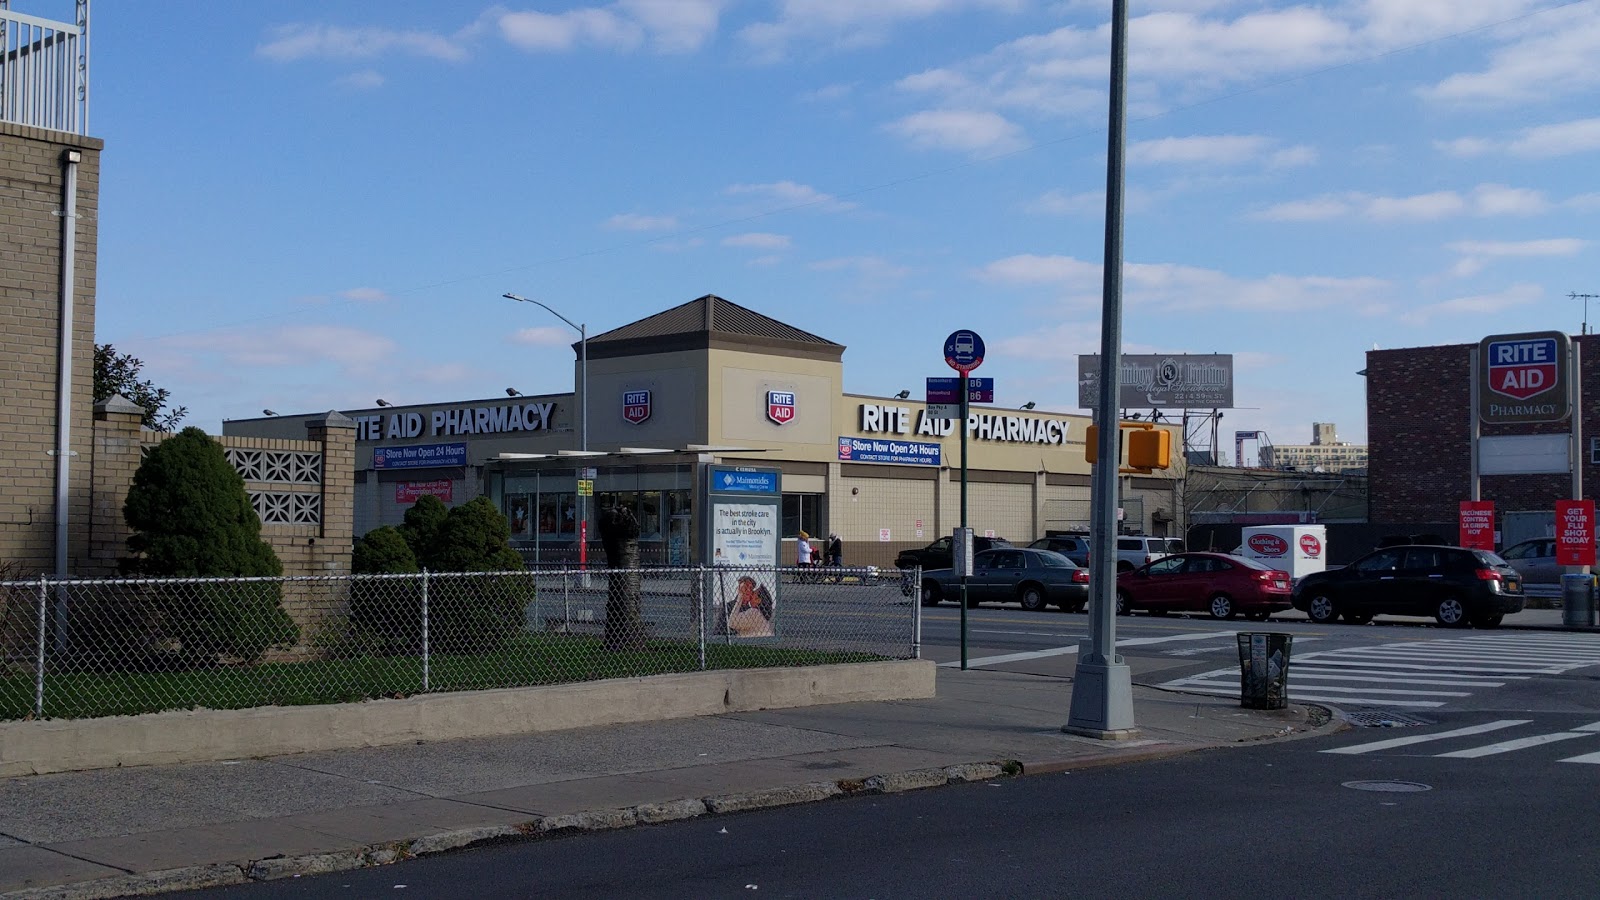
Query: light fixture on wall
[[268, 412], [1028, 405], [513, 392], [902, 395], [383, 402]]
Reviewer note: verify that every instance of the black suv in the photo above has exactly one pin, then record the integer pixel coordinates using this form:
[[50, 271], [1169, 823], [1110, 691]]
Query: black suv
[[1453, 584], [937, 555], [1073, 546]]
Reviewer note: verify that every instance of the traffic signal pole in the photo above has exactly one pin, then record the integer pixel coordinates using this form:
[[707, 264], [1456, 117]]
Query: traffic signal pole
[[1102, 684]]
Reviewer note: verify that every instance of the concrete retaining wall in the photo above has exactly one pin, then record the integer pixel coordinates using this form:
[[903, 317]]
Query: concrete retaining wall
[[36, 748]]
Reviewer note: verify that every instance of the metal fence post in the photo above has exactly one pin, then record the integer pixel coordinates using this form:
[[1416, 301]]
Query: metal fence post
[[425, 659], [916, 624], [697, 599], [38, 669]]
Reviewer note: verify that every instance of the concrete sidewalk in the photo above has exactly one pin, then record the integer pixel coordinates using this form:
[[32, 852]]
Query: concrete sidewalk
[[144, 830]]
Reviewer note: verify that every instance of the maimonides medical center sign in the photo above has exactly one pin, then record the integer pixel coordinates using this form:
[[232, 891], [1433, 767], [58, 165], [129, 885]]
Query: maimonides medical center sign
[[1524, 378]]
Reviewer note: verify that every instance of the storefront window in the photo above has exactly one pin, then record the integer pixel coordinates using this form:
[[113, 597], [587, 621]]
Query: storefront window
[[803, 512], [558, 515]]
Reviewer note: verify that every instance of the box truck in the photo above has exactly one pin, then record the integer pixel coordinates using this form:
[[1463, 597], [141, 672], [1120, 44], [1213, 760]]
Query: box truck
[[1296, 549]]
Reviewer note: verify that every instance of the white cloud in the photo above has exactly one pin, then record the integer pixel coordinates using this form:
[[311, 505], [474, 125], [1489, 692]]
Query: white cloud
[[791, 195], [364, 80], [537, 31], [1478, 305], [1485, 200], [353, 350], [541, 336], [289, 43], [1476, 255], [1545, 56], [758, 240], [365, 295], [637, 222], [1180, 288], [1221, 150], [1584, 202], [1059, 203], [676, 26], [969, 131], [1540, 142]]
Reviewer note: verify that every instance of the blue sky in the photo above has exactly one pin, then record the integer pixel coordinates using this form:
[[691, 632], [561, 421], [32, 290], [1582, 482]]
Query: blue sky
[[309, 205]]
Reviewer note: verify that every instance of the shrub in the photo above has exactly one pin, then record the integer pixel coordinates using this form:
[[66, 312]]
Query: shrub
[[474, 614], [191, 518], [385, 614]]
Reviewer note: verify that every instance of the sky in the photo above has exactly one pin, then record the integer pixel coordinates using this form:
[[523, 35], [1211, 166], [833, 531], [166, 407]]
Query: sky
[[312, 205]]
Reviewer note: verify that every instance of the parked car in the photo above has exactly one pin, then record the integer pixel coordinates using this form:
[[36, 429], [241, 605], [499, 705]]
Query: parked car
[[1222, 585], [1535, 560], [1135, 550], [937, 555], [1033, 578], [1073, 546], [1453, 584]]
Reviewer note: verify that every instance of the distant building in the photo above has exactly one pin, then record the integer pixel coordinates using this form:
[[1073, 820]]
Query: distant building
[[1325, 453]]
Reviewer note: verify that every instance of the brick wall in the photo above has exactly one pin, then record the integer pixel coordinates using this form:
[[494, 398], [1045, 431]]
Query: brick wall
[[31, 184], [1419, 429]]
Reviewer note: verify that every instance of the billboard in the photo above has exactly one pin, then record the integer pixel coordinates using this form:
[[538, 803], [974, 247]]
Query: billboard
[[1523, 378], [1163, 381]]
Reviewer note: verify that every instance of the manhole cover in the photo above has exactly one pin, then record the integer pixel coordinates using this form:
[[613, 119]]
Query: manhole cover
[[1388, 787], [1379, 718]]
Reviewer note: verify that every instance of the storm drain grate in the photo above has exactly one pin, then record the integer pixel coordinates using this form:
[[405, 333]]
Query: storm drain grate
[[1388, 787], [1382, 718]]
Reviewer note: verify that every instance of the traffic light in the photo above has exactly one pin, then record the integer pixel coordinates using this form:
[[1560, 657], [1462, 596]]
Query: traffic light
[[1091, 446], [1150, 449]]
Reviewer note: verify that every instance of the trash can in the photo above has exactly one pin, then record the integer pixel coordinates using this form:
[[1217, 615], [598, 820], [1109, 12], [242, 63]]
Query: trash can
[[1577, 600], [1264, 669]]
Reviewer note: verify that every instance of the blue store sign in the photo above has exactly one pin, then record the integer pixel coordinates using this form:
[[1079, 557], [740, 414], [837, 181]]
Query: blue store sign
[[726, 480], [419, 456]]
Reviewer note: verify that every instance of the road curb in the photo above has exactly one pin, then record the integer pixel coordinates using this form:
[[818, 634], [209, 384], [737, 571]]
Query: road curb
[[541, 827]]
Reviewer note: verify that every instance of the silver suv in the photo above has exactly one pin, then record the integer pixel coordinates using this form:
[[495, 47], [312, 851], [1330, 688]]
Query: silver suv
[[1135, 550]]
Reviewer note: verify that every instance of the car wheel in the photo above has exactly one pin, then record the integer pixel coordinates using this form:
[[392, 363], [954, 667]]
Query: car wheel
[[1123, 609], [931, 594], [1451, 613], [1321, 609], [1488, 620], [1358, 618], [1080, 607], [1124, 566], [1032, 597], [1221, 606]]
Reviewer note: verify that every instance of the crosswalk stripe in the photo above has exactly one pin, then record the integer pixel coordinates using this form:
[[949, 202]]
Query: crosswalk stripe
[[1424, 738], [1433, 667], [1476, 656], [1517, 744], [1386, 678], [1593, 758], [1592, 726], [1296, 695]]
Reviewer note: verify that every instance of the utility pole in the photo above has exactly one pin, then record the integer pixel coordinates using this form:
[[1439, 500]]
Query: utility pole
[[1585, 298]]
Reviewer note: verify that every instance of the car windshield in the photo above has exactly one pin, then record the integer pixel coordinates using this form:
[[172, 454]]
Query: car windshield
[[1050, 559]]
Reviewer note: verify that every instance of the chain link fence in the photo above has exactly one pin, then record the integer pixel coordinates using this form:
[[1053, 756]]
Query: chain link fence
[[79, 649]]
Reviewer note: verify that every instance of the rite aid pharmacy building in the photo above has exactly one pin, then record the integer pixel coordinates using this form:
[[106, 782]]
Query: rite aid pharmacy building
[[713, 384]]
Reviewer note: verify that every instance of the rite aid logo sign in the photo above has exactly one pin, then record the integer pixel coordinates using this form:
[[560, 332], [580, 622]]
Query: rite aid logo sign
[[1522, 378], [1268, 544], [1310, 546], [635, 406], [780, 406]]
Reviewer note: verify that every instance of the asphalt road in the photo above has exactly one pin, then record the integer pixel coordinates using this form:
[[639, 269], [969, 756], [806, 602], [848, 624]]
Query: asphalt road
[[1284, 819]]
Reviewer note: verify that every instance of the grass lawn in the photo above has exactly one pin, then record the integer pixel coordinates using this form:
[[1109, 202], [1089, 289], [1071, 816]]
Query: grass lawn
[[528, 660]]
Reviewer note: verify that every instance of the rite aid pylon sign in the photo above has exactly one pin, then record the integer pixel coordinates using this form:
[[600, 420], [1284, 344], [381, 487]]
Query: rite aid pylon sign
[[1524, 378]]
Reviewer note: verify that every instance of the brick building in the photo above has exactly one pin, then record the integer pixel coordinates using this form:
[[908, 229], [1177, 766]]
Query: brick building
[[1419, 427]]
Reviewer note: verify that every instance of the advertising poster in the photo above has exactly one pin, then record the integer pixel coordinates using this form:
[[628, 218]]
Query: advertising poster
[[519, 509], [1574, 532], [1477, 524], [745, 540]]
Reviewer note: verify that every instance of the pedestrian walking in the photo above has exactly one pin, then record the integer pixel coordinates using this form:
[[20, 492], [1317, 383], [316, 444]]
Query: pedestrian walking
[[835, 552], [802, 550]]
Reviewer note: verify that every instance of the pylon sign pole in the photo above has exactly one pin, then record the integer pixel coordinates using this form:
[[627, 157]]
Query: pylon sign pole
[[963, 351]]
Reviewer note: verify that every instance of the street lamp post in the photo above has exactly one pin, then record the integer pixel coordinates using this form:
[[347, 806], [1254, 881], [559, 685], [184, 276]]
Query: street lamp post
[[583, 366], [583, 421]]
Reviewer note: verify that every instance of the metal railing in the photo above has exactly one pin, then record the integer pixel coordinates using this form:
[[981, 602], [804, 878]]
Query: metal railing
[[44, 71], [86, 648]]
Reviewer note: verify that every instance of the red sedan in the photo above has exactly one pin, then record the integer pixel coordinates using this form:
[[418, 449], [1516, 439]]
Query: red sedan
[[1217, 583]]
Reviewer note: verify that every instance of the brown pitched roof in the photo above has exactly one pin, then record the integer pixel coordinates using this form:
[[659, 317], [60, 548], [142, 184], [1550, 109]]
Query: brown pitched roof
[[707, 322]]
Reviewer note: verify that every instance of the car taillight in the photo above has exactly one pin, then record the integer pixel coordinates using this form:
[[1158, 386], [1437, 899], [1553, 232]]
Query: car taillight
[[1080, 577], [1147, 559], [1489, 575]]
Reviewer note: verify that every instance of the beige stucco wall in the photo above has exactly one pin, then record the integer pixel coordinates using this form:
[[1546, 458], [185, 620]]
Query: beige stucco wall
[[739, 382], [679, 401]]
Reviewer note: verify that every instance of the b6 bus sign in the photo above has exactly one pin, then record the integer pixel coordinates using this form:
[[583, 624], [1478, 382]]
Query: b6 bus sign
[[1524, 378]]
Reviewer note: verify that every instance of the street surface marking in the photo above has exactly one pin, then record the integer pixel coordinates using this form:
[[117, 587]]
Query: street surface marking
[[1488, 661], [1592, 726], [1064, 651], [1518, 744], [1423, 738], [1591, 758]]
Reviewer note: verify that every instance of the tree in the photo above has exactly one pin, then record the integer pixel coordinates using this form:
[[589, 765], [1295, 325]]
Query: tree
[[385, 614], [191, 518], [619, 534], [118, 373], [421, 529]]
